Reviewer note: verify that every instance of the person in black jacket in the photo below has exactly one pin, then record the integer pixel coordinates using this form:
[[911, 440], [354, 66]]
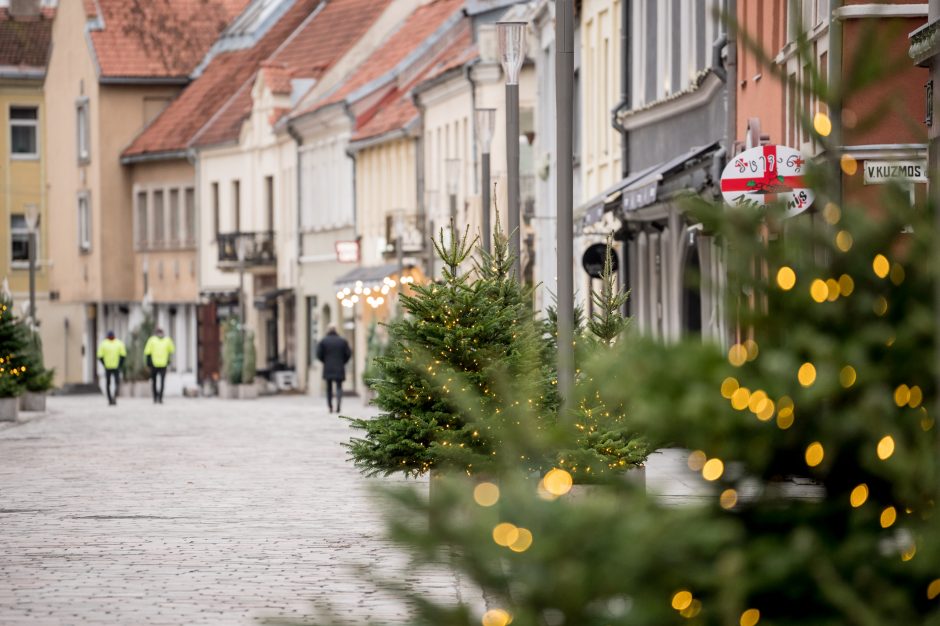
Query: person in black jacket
[[334, 352]]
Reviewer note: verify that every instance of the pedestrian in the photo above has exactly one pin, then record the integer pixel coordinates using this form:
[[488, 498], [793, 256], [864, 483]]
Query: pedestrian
[[112, 353], [158, 351], [334, 352]]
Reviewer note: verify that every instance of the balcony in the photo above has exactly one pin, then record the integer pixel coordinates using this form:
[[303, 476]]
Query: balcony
[[412, 234], [255, 250]]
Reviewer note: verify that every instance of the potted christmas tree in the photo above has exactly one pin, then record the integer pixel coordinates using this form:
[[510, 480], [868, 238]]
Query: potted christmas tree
[[136, 372], [233, 348], [13, 362], [37, 380]]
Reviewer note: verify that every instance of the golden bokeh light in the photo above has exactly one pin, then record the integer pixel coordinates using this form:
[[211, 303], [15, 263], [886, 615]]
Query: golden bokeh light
[[752, 349], [822, 125], [881, 306], [486, 494], [849, 164], [844, 240], [741, 398], [859, 495], [847, 376], [713, 469], [728, 387], [909, 552], [786, 278], [737, 355], [902, 395], [888, 517], [728, 498], [784, 421], [558, 482], [880, 266], [846, 285], [765, 412], [834, 291], [496, 617], [697, 461], [806, 374], [750, 617], [933, 589], [505, 534], [523, 542], [681, 600], [886, 447], [897, 273], [819, 291], [917, 396], [832, 213], [814, 454], [692, 610], [757, 400]]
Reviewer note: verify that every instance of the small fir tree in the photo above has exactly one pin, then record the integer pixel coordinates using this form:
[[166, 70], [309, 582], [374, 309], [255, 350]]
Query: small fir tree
[[233, 351], [135, 366], [14, 365], [37, 378]]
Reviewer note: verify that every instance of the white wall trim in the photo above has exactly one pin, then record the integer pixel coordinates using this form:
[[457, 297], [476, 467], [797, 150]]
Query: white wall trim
[[861, 11], [887, 151], [674, 106]]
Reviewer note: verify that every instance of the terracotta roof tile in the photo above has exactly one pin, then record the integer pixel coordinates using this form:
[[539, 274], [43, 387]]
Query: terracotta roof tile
[[157, 38], [397, 109], [25, 43], [277, 77], [212, 109], [416, 29]]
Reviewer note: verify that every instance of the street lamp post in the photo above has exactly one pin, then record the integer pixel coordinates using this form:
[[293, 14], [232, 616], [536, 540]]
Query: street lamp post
[[452, 173], [512, 40], [484, 128], [32, 223], [564, 120]]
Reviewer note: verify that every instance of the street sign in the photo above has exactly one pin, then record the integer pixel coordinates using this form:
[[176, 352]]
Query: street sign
[[593, 260], [882, 172], [347, 251], [767, 174]]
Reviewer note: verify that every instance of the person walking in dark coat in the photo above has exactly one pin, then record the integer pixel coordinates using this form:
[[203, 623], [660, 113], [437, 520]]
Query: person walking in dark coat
[[334, 352]]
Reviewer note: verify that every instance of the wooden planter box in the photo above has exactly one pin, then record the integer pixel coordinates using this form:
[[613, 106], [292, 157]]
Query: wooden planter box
[[33, 401], [9, 409]]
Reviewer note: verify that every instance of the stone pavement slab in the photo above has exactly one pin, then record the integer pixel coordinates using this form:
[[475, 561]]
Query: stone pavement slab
[[197, 511]]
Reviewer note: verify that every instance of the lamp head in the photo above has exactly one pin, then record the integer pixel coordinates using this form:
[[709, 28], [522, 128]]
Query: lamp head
[[512, 48]]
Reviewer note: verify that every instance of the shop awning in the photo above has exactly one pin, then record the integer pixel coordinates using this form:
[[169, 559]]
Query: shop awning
[[593, 210], [267, 298], [369, 276], [643, 190]]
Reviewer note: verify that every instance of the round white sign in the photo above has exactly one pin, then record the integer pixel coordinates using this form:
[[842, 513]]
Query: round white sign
[[767, 174]]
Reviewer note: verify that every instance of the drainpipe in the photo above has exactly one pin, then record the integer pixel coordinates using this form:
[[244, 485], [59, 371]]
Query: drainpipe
[[626, 55], [468, 74], [299, 140], [730, 68]]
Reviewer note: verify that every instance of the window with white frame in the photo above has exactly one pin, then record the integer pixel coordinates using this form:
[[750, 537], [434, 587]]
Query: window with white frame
[[142, 237], [802, 103], [189, 237], [174, 235], [24, 132], [159, 217], [83, 132], [84, 222], [19, 239]]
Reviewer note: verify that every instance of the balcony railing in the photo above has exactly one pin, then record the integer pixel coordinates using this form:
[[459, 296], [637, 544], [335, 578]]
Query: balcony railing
[[257, 249], [413, 233]]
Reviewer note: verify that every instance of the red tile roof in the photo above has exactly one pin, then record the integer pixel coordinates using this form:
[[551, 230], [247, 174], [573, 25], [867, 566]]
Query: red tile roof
[[24, 43], [419, 26], [303, 44], [156, 38], [397, 109]]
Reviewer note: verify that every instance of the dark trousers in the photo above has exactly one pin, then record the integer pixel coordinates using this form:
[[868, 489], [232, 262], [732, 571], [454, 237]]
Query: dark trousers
[[329, 393], [157, 374], [114, 374]]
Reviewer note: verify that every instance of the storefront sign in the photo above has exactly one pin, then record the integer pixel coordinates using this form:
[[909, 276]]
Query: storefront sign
[[347, 251], [767, 174], [883, 172], [594, 258]]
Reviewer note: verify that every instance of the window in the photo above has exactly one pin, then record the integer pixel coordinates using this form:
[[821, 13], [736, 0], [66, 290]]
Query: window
[[142, 219], [215, 210], [190, 199], [84, 222], [269, 201], [174, 234], [159, 226], [313, 325], [83, 131], [237, 205], [19, 238], [24, 135]]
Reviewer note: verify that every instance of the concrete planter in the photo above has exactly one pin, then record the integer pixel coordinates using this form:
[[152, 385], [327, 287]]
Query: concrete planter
[[247, 392], [33, 401], [228, 391], [9, 409]]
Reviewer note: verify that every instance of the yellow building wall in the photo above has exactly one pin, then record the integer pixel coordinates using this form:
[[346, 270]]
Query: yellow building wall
[[22, 185], [600, 92]]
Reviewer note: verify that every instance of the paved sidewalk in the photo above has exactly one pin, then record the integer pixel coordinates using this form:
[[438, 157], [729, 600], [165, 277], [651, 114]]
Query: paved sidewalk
[[198, 511]]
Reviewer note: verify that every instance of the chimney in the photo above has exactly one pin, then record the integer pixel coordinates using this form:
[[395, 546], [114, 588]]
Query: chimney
[[24, 9]]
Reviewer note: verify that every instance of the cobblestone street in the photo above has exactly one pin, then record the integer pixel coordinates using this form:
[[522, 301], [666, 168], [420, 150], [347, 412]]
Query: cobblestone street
[[192, 512]]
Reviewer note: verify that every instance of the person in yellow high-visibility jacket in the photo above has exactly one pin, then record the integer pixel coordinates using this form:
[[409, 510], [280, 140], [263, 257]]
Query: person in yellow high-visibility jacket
[[111, 353], [158, 351]]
